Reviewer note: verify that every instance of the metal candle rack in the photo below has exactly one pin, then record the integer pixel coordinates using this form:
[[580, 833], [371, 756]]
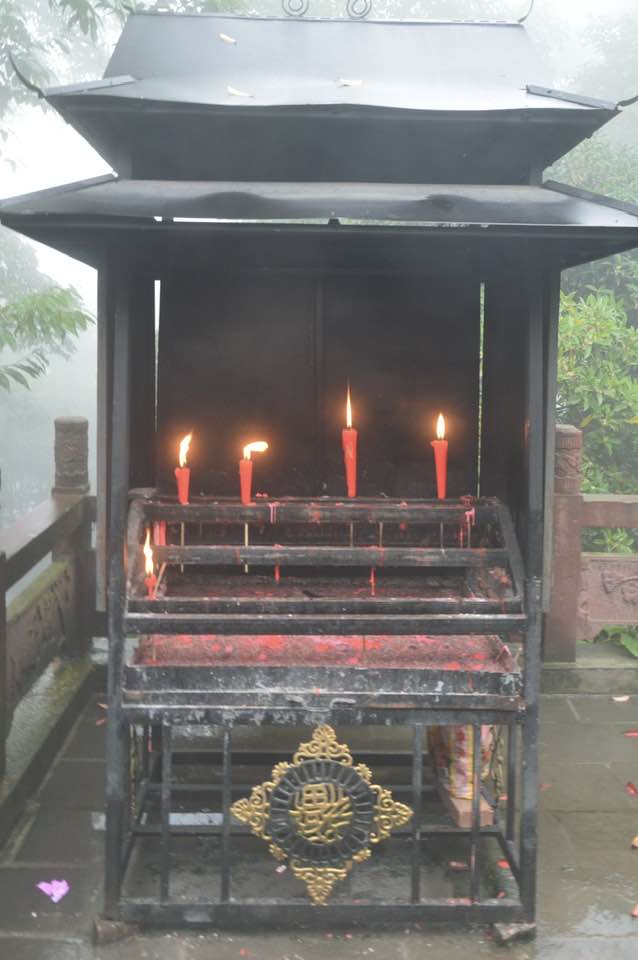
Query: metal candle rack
[[219, 651]]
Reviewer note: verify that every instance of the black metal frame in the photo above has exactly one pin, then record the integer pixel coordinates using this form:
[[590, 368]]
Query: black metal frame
[[166, 699], [225, 911]]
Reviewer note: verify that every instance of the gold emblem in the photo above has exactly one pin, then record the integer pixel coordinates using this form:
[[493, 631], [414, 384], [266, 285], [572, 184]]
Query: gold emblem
[[321, 805], [321, 812]]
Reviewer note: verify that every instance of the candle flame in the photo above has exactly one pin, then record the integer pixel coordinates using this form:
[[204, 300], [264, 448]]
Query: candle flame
[[440, 427], [348, 409], [257, 446], [184, 444], [148, 554]]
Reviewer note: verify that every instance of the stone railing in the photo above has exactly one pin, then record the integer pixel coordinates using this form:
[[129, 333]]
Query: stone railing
[[588, 590], [52, 613]]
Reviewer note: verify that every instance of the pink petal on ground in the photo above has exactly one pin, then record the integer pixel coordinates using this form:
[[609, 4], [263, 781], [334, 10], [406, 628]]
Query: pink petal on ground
[[54, 889], [631, 733], [634, 912], [503, 864], [631, 789]]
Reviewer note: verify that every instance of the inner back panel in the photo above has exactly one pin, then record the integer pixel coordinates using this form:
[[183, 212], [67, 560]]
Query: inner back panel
[[268, 355]]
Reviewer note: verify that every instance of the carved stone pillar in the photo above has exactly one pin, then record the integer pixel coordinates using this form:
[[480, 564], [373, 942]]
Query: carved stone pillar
[[562, 620], [568, 459], [71, 455]]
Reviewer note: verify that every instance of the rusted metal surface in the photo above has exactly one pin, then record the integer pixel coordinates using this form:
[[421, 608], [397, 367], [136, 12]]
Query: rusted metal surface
[[423, 578]]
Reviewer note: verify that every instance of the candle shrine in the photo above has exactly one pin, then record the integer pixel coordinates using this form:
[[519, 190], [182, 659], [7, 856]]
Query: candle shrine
[[302, 672]]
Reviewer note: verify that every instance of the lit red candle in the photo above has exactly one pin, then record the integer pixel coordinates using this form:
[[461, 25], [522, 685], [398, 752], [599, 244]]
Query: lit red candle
[[182, 473], [349, 444], [150, 580], [440, 458], [246, 468]]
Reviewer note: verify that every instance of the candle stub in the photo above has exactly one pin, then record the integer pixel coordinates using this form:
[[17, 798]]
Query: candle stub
[[150, 580], [246, 468], [182, 472]]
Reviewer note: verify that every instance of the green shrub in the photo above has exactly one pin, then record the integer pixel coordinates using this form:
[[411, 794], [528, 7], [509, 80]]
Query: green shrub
[[598, 388]]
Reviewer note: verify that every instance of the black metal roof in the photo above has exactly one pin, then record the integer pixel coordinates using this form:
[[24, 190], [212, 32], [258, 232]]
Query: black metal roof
[[86, 217], [210, 97], [427, 204]]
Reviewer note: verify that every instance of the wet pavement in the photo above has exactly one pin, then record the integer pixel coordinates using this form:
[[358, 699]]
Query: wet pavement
[[588, 872]]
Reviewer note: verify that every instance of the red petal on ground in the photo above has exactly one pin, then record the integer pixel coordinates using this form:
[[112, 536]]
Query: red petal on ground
[[631, 789], [503, 864]]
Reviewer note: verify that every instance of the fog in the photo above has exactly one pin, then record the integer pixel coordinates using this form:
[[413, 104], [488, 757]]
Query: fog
[[45, 152]]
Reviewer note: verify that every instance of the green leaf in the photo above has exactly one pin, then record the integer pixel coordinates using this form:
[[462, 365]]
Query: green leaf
[[630, 642]]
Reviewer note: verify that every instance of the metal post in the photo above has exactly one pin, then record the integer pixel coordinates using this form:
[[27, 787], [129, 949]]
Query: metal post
[[165, 804], [512, 736], [117, 730], [475, 874], [3, 665], [417, 797], [534, 569], [227, 791]]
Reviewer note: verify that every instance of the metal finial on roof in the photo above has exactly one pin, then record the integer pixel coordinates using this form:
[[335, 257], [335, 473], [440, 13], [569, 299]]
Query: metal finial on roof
[[525, 16], [295, 8], [358, 9]]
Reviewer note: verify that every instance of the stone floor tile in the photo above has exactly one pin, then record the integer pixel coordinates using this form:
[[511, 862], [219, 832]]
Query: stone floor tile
[[587, 948], [583, 787], [555, 708], [603, 708], [24, 909], [12, 948], [60, 835], [591, 743], [74, 784], [87, 741]]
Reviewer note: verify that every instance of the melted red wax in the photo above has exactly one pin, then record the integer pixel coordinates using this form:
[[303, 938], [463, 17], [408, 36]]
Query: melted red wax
[[436, 653]]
